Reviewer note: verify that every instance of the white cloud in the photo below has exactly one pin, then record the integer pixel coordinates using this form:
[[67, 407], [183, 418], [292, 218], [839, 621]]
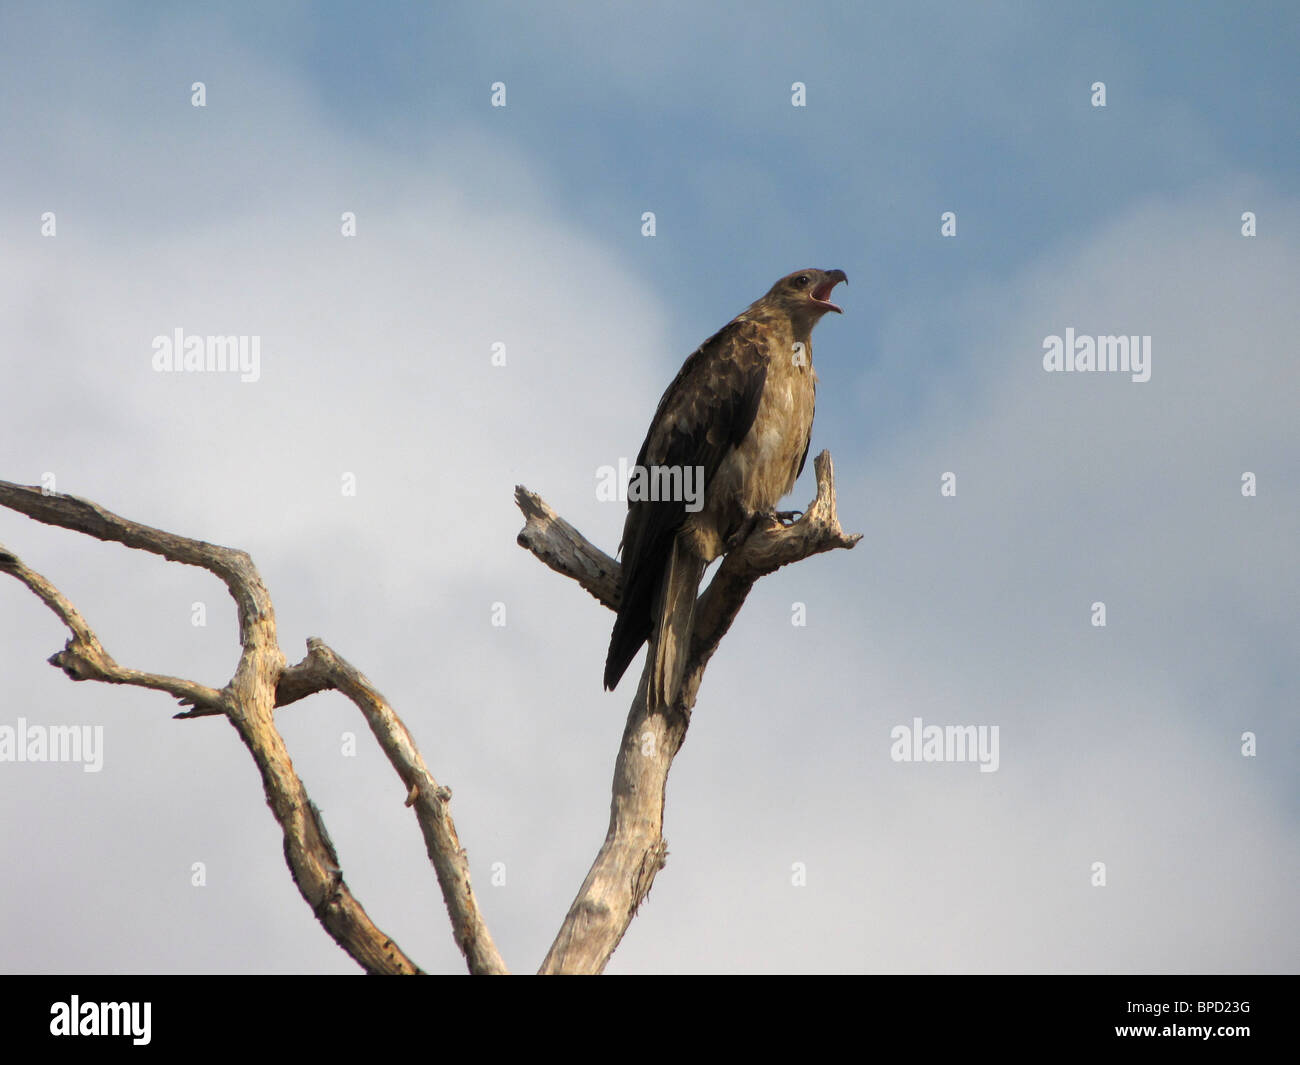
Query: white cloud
[[375, 360], [1117, 746]]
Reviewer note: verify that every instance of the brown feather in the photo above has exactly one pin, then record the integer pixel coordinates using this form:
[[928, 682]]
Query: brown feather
[[741, 407]]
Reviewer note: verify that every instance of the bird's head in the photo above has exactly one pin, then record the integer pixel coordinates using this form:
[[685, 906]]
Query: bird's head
[[805, 295]]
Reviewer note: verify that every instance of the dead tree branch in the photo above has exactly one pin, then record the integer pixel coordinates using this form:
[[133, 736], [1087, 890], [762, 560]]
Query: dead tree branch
[[634, 849], [261, 682]]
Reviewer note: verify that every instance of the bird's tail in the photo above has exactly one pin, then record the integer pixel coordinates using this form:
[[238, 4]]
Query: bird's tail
[[671, 635]]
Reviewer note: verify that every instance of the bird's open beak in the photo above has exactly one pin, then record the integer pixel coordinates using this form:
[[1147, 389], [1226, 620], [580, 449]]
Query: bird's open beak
[[822, 293]]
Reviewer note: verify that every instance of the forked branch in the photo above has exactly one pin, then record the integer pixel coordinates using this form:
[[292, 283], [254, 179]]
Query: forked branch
[[261, 682], [634, 849]]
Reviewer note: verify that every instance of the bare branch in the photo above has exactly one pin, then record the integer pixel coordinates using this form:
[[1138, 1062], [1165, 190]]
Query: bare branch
[[765, 551], [296, 683], [261, 682], [323, 668], [84, 657], [634, 849], [565, 550], [234, 568]]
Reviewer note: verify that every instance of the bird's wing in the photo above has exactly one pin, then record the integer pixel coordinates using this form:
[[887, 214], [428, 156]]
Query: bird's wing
[[706, 411], [804, 457]]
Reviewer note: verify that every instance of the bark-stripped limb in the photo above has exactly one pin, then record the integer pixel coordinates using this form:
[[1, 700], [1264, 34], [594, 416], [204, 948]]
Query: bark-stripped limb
[[634, 849], [261, 682]]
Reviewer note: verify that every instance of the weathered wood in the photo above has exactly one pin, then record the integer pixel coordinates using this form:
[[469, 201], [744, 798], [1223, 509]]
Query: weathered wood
[[426, 796], [261, 681], [634, 849]]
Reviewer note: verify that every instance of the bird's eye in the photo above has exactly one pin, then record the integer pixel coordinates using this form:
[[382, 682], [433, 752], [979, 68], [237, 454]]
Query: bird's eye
[[802, 280]]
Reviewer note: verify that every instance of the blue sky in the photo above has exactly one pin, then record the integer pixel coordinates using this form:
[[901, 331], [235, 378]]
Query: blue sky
[[523, 225]]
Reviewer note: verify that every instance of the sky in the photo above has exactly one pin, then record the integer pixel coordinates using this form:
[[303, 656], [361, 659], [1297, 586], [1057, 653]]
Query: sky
[[1143, 813]]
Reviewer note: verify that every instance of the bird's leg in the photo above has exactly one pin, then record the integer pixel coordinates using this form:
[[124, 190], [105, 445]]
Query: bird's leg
[[750, 520], [754, 519]]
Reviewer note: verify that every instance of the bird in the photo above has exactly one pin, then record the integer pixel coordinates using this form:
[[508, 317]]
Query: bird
[[739, 413]]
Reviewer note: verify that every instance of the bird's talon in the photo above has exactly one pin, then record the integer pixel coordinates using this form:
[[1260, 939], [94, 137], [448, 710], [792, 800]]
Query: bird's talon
[[738, 537]]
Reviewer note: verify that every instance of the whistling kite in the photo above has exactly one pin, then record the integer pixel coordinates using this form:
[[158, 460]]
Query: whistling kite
[[740, 409]]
